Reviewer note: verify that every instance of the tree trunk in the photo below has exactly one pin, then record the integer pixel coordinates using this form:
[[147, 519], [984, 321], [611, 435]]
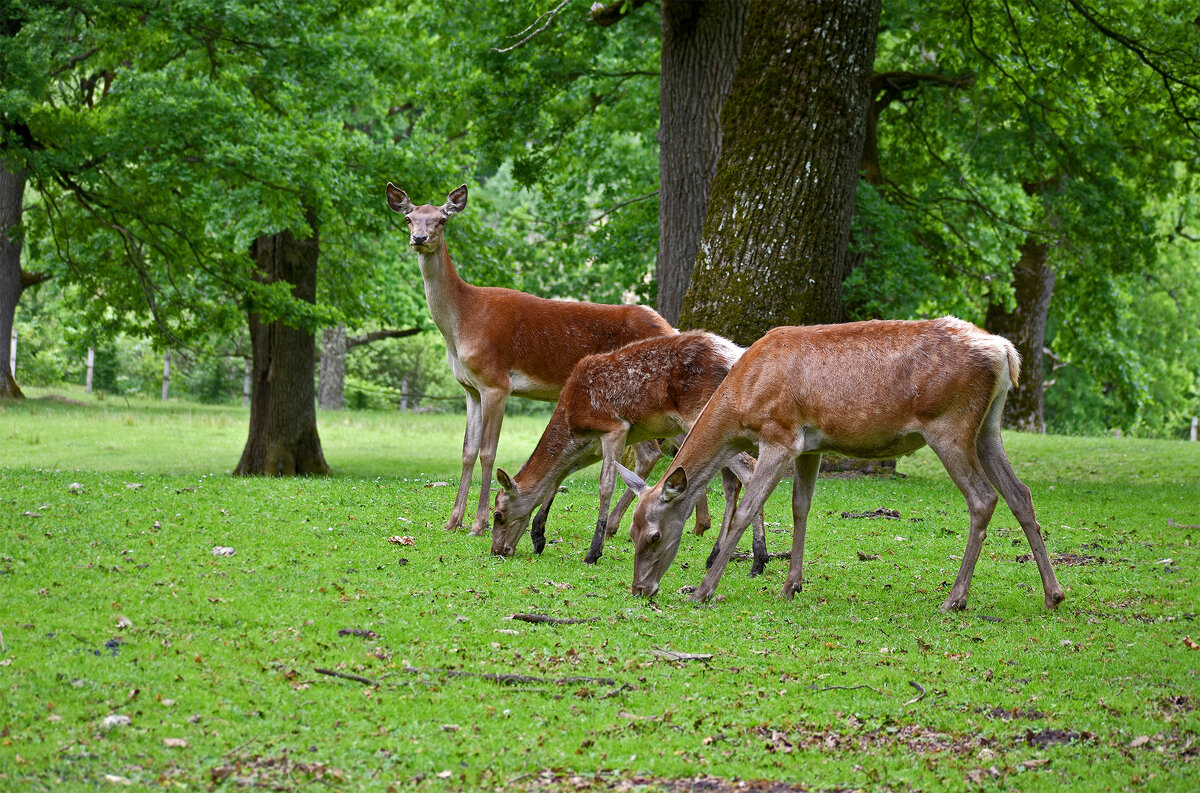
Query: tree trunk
[[1025, 327], [331, 384], [774, 244], [701, 43], [283, 438], [12, 194]]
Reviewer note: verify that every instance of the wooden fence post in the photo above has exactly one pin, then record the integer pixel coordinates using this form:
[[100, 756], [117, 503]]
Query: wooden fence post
[[91, 363], [166, 374]]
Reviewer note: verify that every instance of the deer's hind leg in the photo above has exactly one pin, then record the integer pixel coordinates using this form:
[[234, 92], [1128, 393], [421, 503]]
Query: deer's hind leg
[[957, 452], [611, 444], [1016, 494]]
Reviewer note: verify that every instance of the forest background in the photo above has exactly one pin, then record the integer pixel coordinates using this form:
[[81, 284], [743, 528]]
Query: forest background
[[1028, 167]]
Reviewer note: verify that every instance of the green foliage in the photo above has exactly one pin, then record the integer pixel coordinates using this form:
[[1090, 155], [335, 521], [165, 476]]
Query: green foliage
[[1062, 124], [115, 602]]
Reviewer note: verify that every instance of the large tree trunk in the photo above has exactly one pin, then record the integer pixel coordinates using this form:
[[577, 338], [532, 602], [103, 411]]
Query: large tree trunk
[[774, 243], [701, 43], [283, 437], [331, 383], [12, 193], [1025, 327]]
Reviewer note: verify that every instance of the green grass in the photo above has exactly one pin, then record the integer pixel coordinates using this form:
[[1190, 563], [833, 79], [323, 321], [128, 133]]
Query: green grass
[[112, 603]]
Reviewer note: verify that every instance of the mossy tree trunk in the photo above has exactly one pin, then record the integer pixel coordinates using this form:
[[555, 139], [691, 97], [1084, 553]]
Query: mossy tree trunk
[[331, 382], [283, 438], [775, 238], [1025, 327], [701, 45]]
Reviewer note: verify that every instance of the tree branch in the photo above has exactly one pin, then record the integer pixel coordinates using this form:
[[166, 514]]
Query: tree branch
[[549, 15], [376, 335]]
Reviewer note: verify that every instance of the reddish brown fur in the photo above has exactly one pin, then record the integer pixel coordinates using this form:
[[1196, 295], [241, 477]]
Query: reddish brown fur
[[501, 341], [647, 389], [869, 389]]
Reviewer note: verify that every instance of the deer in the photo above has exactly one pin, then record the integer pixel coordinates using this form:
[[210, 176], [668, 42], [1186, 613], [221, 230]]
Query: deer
[[502, 341], [648, 389], [874, 389]]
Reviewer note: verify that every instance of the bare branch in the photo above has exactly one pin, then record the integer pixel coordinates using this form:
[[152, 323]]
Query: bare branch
[[376, 335], [608, 211], [549, 15]]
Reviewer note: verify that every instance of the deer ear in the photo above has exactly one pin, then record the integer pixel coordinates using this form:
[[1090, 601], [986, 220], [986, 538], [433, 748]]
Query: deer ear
[[633, 481], [506, 481], [456, 202], [674, 485], [398, 200]]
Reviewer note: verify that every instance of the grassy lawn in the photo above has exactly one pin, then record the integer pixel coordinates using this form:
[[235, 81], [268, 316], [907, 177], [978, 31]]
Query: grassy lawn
[[133, 656]]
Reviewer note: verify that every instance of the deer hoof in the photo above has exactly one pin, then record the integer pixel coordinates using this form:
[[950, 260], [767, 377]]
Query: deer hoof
[[1054, 598]]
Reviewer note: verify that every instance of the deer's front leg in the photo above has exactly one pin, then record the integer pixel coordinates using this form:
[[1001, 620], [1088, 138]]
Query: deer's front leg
[[645, 454], [770, 468], [492, 402], [612, 444], [471, 440]]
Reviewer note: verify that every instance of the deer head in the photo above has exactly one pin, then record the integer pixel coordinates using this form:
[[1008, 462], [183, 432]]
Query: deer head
[[426, 222], [658, 506]]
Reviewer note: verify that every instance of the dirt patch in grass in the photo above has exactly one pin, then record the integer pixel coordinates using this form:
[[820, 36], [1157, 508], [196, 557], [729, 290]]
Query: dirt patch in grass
[[555, 781], [1067, 559], [1052, 737], [281, 772]]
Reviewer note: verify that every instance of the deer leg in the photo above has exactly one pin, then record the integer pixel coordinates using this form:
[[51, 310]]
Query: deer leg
[[537, 534], [730, 485], [646, 454], [962, 463], [999, 471], [771, 465], [803, 486], [470, 451], [611, 444], [742, 468], [492, 402]]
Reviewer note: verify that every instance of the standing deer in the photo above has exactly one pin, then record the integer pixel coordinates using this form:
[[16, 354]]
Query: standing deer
[[864, 389], [649, 389], [501, 341]]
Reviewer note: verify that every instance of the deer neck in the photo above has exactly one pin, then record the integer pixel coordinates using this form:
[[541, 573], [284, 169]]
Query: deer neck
[[444, 290], [551, 459]]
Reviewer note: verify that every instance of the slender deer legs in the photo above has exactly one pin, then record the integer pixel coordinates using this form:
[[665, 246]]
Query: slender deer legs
[[1017, 496], [962, 463], [772, 463], [492, 402], [805, 483], [471, 441]]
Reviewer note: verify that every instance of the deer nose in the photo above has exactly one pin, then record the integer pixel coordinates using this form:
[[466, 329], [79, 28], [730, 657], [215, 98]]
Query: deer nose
[[419, 239]]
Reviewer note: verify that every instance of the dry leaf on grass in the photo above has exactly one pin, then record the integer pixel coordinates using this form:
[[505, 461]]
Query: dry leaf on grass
[[404, 540]]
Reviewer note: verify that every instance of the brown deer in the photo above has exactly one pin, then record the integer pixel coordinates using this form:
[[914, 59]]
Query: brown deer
[[501, 341], [649, 389], [864, 389]]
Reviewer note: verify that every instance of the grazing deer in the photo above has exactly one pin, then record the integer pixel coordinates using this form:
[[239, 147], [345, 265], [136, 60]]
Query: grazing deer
[[649, 389], [865, 389], [501, 341]]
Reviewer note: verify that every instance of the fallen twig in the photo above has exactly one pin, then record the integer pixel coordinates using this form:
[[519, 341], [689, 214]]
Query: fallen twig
[[671, 655], [3, 647], [879, 512], [552, 620], [361, 632], [919, 696], [1171, 522], [356, 678], [847, 688]]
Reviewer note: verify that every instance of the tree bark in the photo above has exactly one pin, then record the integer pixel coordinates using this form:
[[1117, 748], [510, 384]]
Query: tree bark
[[1025, 327], [331, 384], [283, 438], [775, 239], [701, 45], [12, 196]]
